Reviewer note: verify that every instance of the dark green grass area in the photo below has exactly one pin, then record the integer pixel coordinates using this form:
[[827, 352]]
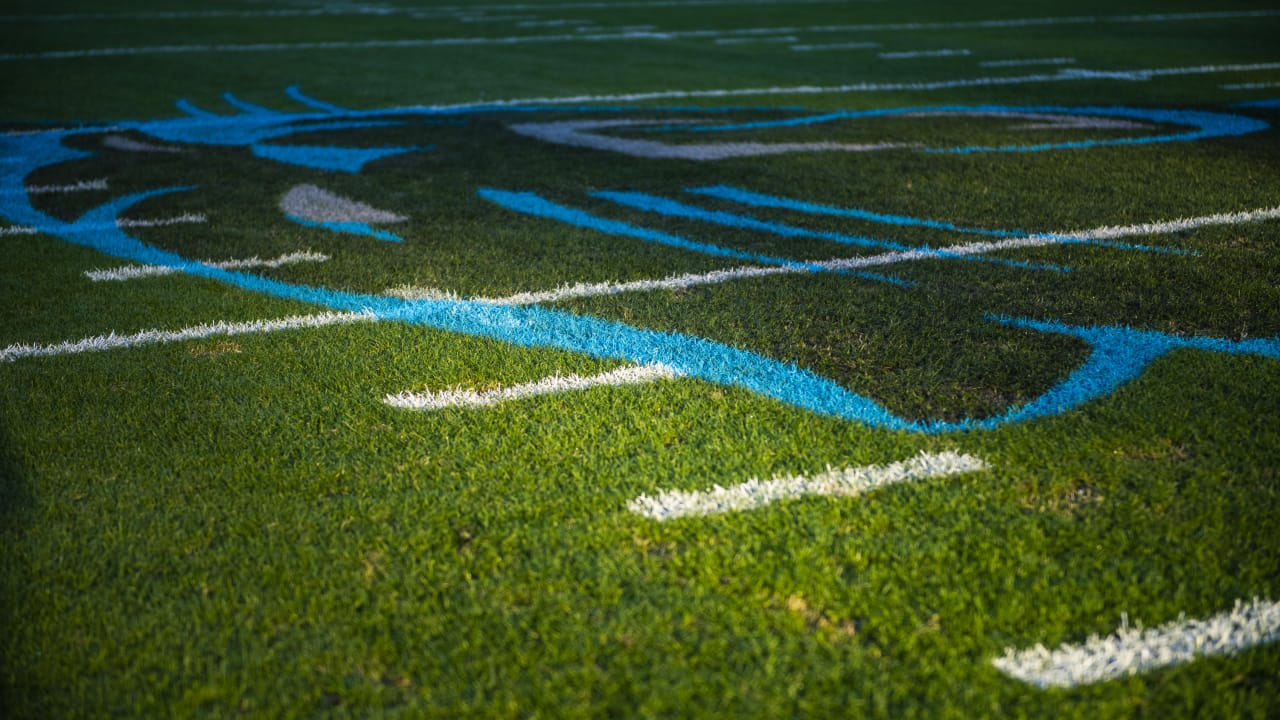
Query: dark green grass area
[[240, 526]]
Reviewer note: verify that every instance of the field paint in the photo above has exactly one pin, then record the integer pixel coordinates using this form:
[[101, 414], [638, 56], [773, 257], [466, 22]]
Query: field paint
[[579, 133], [537, 206], [1027, 61], [129, 272], [750, 40], [383, 10], [634, 375], [754, 199], [1130, 651], [847, 482], [112, 341], [128, 144], [318, 205], [119, 223], [836, 46], [80, 186], [671, 208], [614, 36], [1250, 86], [989, 81], [912, 54]]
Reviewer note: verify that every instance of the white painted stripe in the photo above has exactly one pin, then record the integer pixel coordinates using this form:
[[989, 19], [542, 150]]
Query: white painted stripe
[[836, 46], [911, 54], [843, 483], [1027, 61], [129, 272], [1132, 651], [112, 341], [681, 282], [632, 375], [1250, 86], [81, 186], [743, 41], [120, 223]]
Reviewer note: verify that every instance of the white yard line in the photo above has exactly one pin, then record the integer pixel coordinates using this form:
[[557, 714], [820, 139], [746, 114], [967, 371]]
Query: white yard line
[[912, 54], [130, 272], [847, 482], [112, 341], [81, 186], [186, 218], [1027, 61], [632, 375], [615, 36], [685, 281], [1133, 651], [835, 46]]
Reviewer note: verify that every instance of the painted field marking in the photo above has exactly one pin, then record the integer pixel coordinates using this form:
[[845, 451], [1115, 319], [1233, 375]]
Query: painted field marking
[[847, 482], [685, 281], [912, 54], [1250, 86], [111, 341], [835, 46], [751, 40], [1132, 651], [632, 375], [81, 186], [130, 272], [186, 218], [1027, 61], [614, 37]]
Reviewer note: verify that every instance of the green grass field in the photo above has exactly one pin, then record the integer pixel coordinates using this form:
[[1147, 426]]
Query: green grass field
[[1014, 265]]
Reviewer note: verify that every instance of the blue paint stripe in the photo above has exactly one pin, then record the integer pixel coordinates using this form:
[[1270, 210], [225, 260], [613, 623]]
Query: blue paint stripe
[[533, 204], [747, 197], [297, 95], [671, 208], [246, 106], [187, 107], [351, 228]]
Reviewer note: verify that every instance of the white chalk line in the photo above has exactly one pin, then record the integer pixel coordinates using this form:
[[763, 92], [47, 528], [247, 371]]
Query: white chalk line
[[130, 272], [835, 46], [614, 37], [339, 10], [186, 218], [1250, 86], [912, 54], [1027, 61], [715, 277], [112, 341], [753, 40], [846, 482], [1132, 651], [630, 375], [81, 186]]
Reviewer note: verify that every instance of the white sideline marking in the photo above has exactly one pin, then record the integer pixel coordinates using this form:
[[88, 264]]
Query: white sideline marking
[[836, 46], [81, 186], [681, 282], [112, 341], [844, 483], [633, 375], [1132, 651], [1027, 61], [129, 272], [908, 55]]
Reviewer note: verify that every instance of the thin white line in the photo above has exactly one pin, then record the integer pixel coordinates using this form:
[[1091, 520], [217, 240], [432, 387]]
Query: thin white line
[[1028, 61], [112, 341], [680, 282], [1132, 651], [611, 37], [911, 54], [1250, 86], [129, 272], [120, 223], [848, 482], [752, 40], [836, 46], [81, 186], [631, 375]]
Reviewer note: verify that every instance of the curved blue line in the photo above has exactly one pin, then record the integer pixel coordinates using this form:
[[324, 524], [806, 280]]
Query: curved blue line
[[246, 106], [294, 93]]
